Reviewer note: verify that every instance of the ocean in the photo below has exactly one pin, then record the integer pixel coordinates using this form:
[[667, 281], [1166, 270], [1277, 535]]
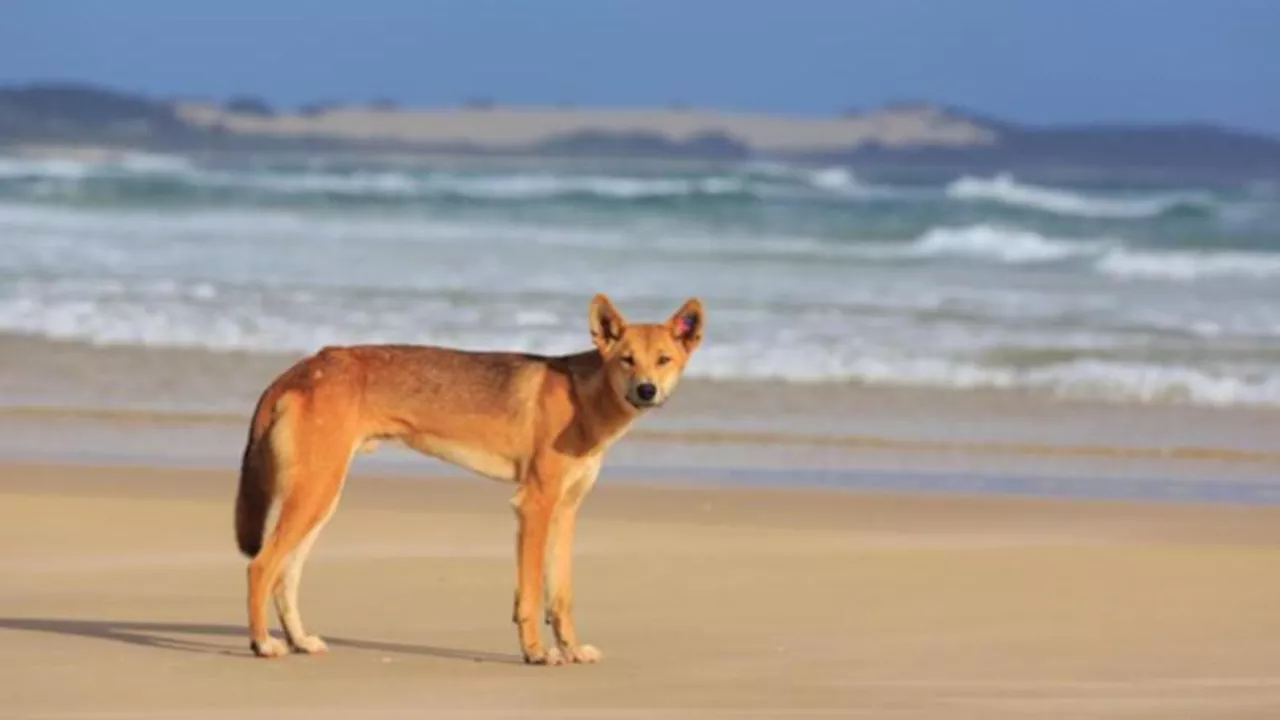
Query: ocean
[[810, 275]]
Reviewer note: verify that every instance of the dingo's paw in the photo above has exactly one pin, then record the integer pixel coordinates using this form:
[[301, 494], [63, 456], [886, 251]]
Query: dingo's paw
[[269, 648], [550, 657], [582, 654], [310, 645]]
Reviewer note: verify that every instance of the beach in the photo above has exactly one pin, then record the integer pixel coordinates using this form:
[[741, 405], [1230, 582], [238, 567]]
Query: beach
[[123, 597]]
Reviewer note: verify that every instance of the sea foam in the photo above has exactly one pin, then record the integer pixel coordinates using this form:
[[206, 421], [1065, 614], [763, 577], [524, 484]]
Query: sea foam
[[1004, 189], [1189, 266], [1001, 244]]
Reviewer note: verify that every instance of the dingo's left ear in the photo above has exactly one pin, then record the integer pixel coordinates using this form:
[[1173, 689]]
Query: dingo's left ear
[[686, 324], [607, 324]]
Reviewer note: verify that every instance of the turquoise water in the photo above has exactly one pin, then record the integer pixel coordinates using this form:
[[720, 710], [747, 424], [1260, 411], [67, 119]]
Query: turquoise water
[[816, 275]]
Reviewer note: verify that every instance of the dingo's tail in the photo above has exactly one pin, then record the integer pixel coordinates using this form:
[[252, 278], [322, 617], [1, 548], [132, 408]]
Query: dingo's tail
[[259, 470]]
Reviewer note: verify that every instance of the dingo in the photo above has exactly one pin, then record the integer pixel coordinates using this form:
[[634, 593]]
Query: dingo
[[543, 423]]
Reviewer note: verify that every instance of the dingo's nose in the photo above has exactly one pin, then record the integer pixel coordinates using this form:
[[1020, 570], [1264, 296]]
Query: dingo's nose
[[646, 391]]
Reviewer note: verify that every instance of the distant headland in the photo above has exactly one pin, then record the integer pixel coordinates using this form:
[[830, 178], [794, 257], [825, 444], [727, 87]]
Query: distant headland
[[906, 137]]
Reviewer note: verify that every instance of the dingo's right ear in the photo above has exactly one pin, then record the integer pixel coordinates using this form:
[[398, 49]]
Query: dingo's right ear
[[607, 324]]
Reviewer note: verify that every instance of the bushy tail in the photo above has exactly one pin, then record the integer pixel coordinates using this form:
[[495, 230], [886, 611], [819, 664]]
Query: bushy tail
[[257, 476]]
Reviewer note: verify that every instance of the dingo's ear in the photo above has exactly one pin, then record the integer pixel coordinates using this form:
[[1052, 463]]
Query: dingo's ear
[[686, 324], [607, 324]]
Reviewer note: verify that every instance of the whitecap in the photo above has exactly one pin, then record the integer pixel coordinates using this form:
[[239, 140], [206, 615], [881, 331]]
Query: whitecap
[[1004, 189]]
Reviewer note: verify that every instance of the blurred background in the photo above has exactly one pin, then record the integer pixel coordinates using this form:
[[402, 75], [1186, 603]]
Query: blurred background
[[1059, 200]]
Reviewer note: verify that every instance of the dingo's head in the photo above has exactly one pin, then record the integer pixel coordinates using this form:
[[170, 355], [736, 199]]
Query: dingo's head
[[643, 362]]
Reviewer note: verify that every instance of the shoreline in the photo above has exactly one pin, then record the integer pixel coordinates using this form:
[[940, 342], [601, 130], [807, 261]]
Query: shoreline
[[698, 459], [939, 485], [41, 372], [62, 402], [705, 436]]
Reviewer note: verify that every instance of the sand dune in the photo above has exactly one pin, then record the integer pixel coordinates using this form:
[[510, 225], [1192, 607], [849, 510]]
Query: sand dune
[[503, 128]]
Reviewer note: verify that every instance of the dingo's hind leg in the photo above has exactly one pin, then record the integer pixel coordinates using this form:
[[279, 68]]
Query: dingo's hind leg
[[315, 462], [286, 590]]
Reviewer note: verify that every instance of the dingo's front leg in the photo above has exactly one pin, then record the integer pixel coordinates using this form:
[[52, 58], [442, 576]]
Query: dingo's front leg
[[533, 509], [560, 575]]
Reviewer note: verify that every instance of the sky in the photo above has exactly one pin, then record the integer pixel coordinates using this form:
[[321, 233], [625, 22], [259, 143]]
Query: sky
[[1035, 61]]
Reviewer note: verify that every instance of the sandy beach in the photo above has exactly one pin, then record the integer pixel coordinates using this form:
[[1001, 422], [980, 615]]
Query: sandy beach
[[123, 597]]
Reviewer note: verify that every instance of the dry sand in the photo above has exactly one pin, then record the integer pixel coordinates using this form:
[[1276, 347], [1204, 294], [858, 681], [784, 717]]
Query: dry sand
[[122, 596]]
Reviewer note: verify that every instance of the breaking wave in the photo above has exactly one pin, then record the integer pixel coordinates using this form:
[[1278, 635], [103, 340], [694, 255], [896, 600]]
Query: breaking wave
[[1004, 189], [1187, 266], [1110, 257], [751, 181], [215, 317], [1006, 245]]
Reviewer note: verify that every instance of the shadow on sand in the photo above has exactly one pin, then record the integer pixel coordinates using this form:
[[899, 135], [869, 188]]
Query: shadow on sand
[[167, 636]]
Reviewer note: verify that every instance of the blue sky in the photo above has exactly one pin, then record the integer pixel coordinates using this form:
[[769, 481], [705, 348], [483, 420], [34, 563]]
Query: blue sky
[[1043, 61]]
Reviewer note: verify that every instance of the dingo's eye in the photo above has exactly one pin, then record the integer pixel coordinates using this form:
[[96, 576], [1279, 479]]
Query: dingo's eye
[[663, 360], [629, 360]]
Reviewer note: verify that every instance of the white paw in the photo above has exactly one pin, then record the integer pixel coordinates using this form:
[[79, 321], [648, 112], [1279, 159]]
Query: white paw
[[310, 645], [269, 648], [582, 654], [550, 657]]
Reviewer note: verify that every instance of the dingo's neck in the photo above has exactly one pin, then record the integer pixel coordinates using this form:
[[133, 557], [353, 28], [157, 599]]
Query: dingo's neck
[[603, 416]]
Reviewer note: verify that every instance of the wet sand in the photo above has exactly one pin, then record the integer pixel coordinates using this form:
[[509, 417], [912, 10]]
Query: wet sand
[[123, 597]]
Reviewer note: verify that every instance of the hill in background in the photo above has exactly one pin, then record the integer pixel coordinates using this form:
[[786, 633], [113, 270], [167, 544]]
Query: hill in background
[[905, 137]]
